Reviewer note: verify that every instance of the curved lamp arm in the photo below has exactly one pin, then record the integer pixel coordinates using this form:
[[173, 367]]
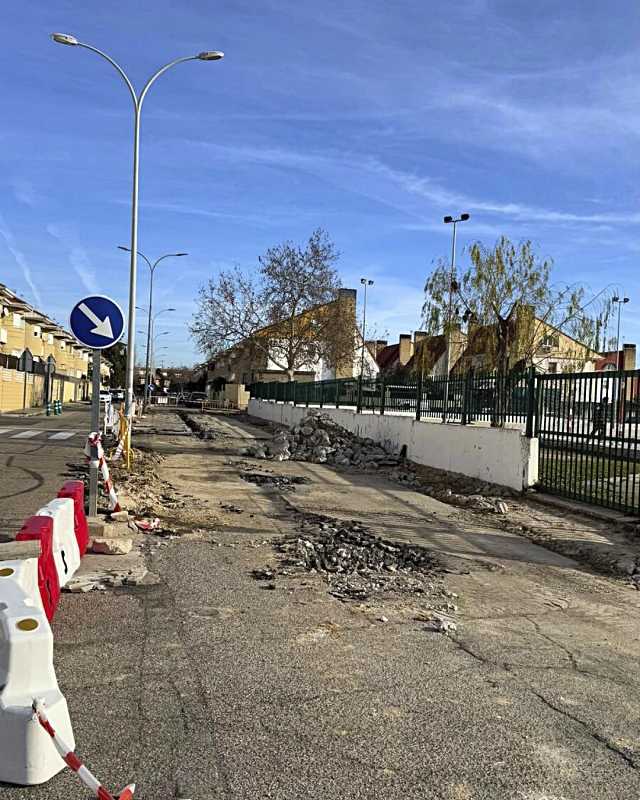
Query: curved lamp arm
[[116, 66], [157, 74]]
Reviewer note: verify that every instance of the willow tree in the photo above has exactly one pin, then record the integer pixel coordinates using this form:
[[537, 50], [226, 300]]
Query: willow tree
[[505, 306], [288, 312]]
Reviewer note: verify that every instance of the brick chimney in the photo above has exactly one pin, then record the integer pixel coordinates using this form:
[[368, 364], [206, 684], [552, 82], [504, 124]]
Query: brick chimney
[[628, 356], [380, 345], [406, 349], [418, 336]]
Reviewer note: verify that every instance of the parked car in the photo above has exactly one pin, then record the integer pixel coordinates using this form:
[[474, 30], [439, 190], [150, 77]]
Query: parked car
[[105, 396], [195, 399]]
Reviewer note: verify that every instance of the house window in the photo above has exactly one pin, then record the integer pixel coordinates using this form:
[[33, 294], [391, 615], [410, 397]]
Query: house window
[[553, 367], [550, 342], [18, 322]]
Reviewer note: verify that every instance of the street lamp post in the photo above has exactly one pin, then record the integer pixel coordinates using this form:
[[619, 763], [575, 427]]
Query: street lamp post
[[366, 282], [618, 399], [138, 100], [447, 358], [620, 301], [152, 269]]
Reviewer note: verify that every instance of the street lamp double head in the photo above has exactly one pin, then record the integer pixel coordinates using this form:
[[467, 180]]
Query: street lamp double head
[[137, 99]]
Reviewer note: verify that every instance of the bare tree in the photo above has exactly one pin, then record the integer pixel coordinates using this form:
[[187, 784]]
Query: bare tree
[[513, 313], [289, 311]]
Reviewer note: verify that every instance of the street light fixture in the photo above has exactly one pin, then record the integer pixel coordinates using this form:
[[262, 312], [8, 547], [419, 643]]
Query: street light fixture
[[152, 269], [448, 220], [138, 100], [621, 301]]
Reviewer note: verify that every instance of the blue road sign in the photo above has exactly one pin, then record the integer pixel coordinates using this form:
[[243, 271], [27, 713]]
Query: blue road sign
[[97, 322]]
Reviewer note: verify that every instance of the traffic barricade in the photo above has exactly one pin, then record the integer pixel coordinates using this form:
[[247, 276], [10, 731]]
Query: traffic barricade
[[66, 552], [26, 671], [75, 490], [40, 529]]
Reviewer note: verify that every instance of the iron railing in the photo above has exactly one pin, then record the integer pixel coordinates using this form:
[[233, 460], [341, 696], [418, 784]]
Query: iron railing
[[588, 425], [463, 399]]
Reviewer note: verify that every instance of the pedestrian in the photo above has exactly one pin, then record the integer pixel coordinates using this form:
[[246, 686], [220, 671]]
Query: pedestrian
[[600, 419]]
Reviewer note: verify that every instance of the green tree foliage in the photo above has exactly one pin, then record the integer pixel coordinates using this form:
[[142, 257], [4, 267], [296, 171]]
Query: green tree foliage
[[117, 357], [505, 300]]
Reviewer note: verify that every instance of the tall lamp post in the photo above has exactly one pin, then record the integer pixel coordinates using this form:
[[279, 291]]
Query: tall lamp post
[[152, 269], [366, 282], [620, 301], [138, 100], [447, 357]]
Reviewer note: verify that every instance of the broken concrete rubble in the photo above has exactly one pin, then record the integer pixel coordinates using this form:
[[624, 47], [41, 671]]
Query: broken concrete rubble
[[356, 564], [321, 440], [111, 547]]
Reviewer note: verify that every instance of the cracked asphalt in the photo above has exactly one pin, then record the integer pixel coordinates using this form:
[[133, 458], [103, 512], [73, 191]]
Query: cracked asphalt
[[208, 685]]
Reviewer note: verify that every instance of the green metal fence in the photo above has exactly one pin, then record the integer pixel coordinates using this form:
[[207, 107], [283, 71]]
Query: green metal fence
[[462, 399], [587, 425]]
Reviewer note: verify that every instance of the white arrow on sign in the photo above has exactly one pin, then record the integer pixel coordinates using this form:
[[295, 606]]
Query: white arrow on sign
[[103, 326]]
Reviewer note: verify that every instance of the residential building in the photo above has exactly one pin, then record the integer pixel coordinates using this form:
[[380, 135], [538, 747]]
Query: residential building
[[39, 360], [247, 363]]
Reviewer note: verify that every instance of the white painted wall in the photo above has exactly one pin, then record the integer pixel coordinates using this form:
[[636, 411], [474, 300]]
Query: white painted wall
[[498, 455]]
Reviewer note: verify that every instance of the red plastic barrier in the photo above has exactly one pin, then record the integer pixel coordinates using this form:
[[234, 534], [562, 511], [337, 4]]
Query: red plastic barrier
[[41, 528], [75, 490]]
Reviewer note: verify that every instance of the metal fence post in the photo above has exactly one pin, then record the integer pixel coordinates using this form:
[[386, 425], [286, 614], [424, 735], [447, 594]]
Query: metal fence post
[[531, 401], [419, 396], [336, 385], [359, 400], [321, 393], [307, 386], [465, 398], [383, 394]]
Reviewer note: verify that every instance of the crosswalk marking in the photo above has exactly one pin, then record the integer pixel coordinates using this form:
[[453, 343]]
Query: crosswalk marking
[[55, 435]]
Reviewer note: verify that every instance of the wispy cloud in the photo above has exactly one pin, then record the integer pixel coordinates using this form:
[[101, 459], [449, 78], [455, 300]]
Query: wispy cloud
[[20, 259], [24, 191], [76, 253], [372, 177]]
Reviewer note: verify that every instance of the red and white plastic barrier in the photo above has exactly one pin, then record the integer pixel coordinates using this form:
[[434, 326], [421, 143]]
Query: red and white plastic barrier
[[95, 441], [72, 760], [29, 594], [26, 669], [66, 552], [41, 529]]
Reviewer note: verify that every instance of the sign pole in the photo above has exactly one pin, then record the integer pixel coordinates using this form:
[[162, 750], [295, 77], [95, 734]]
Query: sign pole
[[95, 427]]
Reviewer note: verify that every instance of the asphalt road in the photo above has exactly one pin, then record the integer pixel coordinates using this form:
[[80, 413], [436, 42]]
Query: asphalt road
[[34, 452], [207, 685]]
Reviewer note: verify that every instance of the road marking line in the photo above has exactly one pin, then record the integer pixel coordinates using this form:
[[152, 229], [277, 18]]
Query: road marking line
[[6, 430], [27, 434], [63, 435]]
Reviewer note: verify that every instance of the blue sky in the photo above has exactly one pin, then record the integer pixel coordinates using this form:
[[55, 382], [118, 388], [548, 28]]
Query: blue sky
[[369, 118]]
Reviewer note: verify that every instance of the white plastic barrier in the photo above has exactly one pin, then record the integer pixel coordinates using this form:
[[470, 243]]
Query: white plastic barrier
[[66, 553], [26, 672]]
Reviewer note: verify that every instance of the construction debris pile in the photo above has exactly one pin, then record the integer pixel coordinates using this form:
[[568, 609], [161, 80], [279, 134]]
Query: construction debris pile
[[355, 563], [321, 440], [275, 481]]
